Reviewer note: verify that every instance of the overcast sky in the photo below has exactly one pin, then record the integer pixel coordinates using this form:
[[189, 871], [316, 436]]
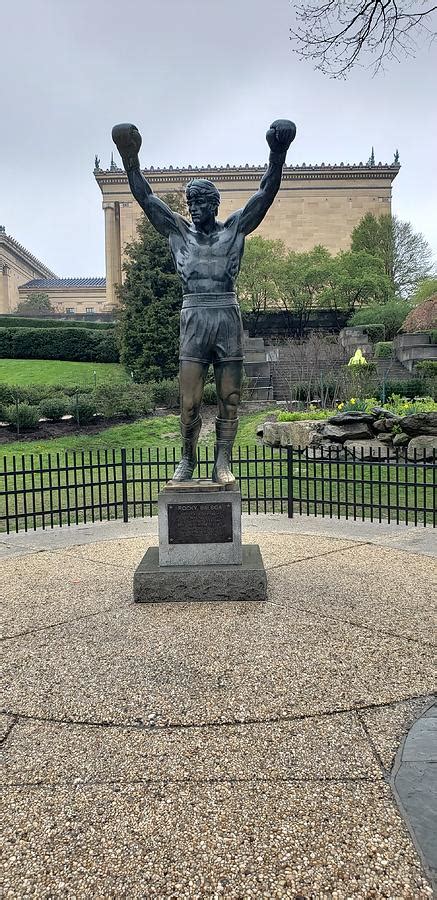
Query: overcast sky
[[202, 80]]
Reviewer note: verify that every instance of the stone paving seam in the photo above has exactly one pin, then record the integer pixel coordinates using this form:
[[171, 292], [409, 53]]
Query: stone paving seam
[[129, 782], [294, 562], [371, 743], [273, 720], [99, 612], [372, 628], [9, 728]]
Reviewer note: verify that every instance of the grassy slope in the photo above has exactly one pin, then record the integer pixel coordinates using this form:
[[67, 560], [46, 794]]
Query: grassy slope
[[159, 432], [53, 371]]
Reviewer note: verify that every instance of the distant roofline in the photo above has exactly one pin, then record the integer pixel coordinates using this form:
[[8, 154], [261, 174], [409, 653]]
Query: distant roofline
[[55, 283], [248, 172], [15, 245]]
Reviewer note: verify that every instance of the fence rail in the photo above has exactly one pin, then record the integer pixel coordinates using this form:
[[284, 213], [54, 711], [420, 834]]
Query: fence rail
[[48, 490]]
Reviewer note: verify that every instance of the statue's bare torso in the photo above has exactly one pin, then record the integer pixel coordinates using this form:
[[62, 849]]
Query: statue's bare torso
[[207, 263]]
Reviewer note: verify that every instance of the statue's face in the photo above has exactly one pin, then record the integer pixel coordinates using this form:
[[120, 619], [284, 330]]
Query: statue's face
[[201, 209]]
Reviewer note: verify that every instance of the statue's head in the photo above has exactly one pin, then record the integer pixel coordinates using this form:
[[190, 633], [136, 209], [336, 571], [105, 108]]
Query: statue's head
[[203, 200]]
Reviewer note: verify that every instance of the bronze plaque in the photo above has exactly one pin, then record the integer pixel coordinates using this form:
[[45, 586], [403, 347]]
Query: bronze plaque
[[199, 523]]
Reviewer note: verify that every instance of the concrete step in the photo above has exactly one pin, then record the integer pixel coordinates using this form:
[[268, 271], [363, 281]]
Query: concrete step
[[254, 355], [259, 381], [256, 369], [254, 343], [261, 393]]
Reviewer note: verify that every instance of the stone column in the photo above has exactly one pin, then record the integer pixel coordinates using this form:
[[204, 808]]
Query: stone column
[[112, 250], [4, 288]]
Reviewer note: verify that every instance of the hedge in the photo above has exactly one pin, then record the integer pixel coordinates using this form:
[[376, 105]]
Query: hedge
[[29, 322], [383, 350], [77, 344], [375, 333]]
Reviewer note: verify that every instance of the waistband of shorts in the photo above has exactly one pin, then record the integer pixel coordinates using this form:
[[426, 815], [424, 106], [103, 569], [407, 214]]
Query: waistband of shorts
[[209, 300]]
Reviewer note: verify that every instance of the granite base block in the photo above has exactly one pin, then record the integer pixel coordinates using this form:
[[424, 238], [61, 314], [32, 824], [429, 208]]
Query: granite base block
[[187, 584]]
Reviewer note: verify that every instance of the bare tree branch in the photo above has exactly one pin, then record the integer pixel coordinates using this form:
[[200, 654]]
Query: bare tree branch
[[337, 34]]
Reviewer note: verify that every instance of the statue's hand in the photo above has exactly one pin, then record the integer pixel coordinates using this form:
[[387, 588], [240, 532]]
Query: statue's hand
[[127, 139], [280, 135]]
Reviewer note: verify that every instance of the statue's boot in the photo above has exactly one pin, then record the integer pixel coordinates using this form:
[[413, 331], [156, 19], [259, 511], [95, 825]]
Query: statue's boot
[[225, 430], [190, 434]]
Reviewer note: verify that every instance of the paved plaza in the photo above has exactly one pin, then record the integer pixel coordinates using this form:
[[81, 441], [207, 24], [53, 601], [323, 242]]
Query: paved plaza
[[219, 749]]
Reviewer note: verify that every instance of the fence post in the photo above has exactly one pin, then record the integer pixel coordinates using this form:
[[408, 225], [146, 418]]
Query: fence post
[[124, 485], [290, 482]]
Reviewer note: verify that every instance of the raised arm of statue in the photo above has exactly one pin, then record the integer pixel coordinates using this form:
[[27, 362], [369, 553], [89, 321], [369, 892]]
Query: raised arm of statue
[[279, 137], [128, 141]]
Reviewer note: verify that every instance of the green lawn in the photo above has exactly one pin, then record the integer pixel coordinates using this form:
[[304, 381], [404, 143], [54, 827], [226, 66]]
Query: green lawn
[[54, 371]]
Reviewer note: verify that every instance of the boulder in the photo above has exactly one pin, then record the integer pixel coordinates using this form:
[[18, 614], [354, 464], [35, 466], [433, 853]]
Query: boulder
[[290, 434], [420, 423], [369, 449], [422, 445], [386, 437], [351, 429], [399, 440], [382, 425], [351, 416], [386, 413], [272, 434]]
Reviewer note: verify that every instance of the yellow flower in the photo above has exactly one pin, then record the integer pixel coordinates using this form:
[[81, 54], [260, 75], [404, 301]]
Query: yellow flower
[[353, 400], [340, 405]]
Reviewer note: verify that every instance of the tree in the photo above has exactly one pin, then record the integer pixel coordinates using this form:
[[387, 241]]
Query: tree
[[424, 290], [337, 34], [353, 280], [150, 297], [406, 255], [37, 302], [302, 283], [260, 275]]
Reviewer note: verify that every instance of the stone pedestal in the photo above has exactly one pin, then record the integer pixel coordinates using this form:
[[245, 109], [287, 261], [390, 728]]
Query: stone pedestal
[[200, 556]]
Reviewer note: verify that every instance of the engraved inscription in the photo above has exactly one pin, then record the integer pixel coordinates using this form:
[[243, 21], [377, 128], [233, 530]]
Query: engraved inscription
[[199, 523]]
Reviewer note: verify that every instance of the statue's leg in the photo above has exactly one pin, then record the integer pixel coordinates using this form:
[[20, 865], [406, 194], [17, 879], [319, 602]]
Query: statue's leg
[[191, 383], [228, 379]]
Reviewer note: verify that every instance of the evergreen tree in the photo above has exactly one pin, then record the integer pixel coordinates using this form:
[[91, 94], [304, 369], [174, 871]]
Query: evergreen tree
[[150, 298]]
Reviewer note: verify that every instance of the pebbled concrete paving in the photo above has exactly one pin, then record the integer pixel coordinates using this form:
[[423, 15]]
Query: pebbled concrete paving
[[208, 750]]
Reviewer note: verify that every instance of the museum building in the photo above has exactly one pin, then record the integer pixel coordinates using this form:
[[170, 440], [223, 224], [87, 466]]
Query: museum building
[[316, 204]]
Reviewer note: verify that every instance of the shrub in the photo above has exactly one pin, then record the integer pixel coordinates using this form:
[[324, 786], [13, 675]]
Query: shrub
[[7, 394], [77, 344], [165, 392], [383, 350], [391, 314], [82, 408], [47, 322], [131, 400], [303, 416], [54, 408], [375, 333], [210, 394], [433, 334], [22, 415], [427, 368], [411, 387]]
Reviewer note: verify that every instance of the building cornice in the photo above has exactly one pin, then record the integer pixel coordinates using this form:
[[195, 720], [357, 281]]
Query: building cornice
[[15, 247], [321, 172]]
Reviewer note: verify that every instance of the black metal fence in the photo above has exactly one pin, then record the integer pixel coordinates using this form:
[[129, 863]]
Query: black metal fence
[[48, 490]]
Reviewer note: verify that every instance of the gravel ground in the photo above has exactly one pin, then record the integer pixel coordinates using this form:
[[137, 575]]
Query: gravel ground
[[191, 750]]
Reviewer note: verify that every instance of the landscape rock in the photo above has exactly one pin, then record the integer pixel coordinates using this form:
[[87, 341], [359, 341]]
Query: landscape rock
[[399, 440], [272, 434], [421, 445], [291, 434], [351, 416], [369, 449], [382, 425], [386, 413], [358, 430], [386, 437], [420, 423]]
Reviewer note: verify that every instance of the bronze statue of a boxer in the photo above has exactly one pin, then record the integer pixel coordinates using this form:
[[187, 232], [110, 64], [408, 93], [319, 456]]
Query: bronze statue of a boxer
[[207, 256]]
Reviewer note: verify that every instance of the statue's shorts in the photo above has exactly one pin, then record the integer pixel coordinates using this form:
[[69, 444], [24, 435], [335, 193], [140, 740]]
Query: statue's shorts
[[211, 330]]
